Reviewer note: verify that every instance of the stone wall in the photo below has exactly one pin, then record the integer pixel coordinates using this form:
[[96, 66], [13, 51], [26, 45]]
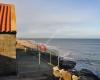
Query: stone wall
[[7, 54]]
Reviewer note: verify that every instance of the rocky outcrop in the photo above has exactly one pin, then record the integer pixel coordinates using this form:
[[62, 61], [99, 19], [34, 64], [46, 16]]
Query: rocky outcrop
[[86, 74], [67, 64], [26, 44]]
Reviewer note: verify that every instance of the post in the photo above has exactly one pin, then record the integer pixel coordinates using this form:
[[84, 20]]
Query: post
[[25, 49], [50, 57], [58, 60], [39, 58]]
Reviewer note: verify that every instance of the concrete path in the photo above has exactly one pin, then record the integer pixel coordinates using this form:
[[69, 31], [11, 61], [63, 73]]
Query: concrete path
[[29, 69]]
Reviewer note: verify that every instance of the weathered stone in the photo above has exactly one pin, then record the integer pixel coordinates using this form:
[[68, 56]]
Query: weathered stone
[[7, 54], [66, 64]]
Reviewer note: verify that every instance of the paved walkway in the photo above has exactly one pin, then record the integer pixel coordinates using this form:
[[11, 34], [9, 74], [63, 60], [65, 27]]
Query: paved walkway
[[29, 69]]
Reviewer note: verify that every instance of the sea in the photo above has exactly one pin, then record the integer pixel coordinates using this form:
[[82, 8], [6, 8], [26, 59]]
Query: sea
[[86, 52]]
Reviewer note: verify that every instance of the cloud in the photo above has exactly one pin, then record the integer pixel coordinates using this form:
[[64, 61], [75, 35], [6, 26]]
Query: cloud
[[49, 18], [1, 0]]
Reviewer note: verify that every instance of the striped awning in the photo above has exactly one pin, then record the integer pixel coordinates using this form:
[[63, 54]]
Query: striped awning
[[7, 18]]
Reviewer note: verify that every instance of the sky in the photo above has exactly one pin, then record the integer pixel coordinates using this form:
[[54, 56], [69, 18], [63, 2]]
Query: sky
[[57, 18]]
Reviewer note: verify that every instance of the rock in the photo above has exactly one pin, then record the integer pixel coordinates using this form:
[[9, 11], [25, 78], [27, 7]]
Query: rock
[[86, 74], [74, 77], [74, 72], [66, 64]]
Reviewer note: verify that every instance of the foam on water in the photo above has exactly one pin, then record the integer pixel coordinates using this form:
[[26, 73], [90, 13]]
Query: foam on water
[[85, 51]]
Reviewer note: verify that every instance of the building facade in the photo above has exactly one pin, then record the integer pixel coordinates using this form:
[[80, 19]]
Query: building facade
[[7, 39]]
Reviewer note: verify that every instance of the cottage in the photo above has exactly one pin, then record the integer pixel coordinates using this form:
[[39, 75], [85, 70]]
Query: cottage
[[7, 39]]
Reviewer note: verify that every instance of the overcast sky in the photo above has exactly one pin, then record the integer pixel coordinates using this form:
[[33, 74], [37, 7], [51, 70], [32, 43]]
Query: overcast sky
[[57, 18]]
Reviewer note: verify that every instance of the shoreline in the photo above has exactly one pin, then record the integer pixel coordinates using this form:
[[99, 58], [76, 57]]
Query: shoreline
[[28, 67], [56, 54]]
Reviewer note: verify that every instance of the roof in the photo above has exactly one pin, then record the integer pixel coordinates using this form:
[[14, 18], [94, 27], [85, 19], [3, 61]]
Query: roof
[[7, 18]]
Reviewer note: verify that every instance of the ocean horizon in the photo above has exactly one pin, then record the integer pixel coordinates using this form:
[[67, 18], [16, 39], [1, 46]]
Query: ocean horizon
[[85, 52]]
